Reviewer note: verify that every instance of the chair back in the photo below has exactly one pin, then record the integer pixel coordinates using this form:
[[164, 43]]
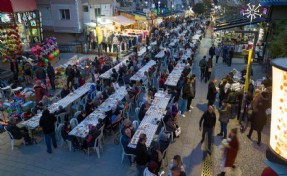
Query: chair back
[[137, 111], [10, 135], [122, 145], [135, 124], [77, 114], [102, 131], [97, 142], [74, 123], [59, 130], [61, 117]]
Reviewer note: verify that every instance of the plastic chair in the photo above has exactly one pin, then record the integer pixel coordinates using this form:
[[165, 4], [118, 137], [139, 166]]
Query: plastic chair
[[59, 130], [96, 147], [74, 123], [12, 138], [77, 114], [102, 137], [137, 111], [76, 105], [61, 117], [124, 152], [135, 124]]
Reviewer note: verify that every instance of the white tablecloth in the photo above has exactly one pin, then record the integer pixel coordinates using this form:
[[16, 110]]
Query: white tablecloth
[[160, 54], [140, 74], [112, 101], [107, 74], [174, 76], [65, 102], [149, 124], [82, 129], [195, 37]]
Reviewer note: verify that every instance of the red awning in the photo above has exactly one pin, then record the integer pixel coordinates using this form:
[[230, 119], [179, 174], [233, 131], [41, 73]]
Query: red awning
[[17, 5]]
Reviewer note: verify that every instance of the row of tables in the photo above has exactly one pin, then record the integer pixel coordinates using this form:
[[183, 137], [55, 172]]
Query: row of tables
[[151, 120], [140, 74], [33, 122], [82, 129]]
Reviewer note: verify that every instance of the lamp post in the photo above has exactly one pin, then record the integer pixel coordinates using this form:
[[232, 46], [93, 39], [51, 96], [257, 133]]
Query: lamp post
[[158, 7]]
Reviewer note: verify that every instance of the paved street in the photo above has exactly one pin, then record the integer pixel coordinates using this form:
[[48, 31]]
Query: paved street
[[34, 160]]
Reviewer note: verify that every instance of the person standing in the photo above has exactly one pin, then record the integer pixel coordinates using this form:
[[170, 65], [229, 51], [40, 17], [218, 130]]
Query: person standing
[[48, 123], [28, 73], [224, 116], [147, 40], [40, 91], [217, 53], [185, 95], [258, 121], [142, 156], [211, 94], [208, 70], [76, 76], [70, 77], [230, 152], [230, 55], [209, 120], [51, 75], [41, 74], [202, 65], [14, 68], [212, 51]]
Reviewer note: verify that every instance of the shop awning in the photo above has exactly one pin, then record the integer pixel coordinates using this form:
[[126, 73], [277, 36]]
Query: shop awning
[[17, 5], [121, 20], [91, 24], [223, 25]]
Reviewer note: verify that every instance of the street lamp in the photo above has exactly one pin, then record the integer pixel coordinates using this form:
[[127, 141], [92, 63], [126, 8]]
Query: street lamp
[[158, 6]]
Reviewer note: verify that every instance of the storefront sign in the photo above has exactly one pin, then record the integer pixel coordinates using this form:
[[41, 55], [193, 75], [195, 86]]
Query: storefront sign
[[6, 18]]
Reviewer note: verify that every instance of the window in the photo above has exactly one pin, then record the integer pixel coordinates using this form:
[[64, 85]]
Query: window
[[85, 9], [97, 12], [64, 14]]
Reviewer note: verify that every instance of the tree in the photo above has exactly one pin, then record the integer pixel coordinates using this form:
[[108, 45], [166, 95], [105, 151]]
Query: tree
[[198, 8], [278, 41]]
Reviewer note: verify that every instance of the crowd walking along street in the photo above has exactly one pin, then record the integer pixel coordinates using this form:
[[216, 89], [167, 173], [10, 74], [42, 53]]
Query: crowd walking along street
[[180, 92]]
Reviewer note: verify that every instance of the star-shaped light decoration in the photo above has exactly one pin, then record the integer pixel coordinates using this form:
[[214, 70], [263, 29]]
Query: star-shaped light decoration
[[252, 12]]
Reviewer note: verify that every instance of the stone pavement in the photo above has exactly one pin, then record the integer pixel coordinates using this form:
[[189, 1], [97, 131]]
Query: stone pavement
[[34, 160]]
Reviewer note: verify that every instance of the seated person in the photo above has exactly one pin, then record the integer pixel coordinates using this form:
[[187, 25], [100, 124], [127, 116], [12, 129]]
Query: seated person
[[169, 124], [65, 91], [94, 132], [81, 116], [143, 110], [127, 132], [2, 124], [60, 110], [116, 84], [89, 108], [111, 88], [114, 74], [161, 82], [156, 154], [164, 141], [105, 94], [18, 133], [152, 169], [65, 134]]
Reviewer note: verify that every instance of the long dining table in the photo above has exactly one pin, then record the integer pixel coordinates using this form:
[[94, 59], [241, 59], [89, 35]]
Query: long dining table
[[82, 129], [140, 74], [33, 122], [153, 116]]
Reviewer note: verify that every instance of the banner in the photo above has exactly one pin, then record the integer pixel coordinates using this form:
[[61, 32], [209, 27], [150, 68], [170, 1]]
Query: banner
[[99, 35]]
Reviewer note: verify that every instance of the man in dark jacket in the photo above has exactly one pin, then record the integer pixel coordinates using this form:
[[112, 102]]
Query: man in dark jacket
[[211, 94], [224, 116], [70, 76], [51, 75], [212, 51], [65, 91], [209, 120], [142, 156], [41, 74], [18, 133], [48, 122]]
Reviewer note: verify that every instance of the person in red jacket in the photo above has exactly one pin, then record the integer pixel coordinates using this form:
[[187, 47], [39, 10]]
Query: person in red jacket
[[230, 152], [40, 91], [161, 82]]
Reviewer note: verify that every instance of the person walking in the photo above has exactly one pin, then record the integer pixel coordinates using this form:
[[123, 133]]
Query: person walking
[[208, 119], [185, 95], [230, 55], [208, 70], [51, 75], [224, 116], [212, 51], [217, 53], [41, 74], [230, 152], [70, 77], [193, 88], [76, 76], [211, 94], [48, 123], [259, 118], [202, 65]]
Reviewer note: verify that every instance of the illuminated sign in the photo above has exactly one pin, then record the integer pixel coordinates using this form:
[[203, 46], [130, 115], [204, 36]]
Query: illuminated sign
[[278, 136]]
